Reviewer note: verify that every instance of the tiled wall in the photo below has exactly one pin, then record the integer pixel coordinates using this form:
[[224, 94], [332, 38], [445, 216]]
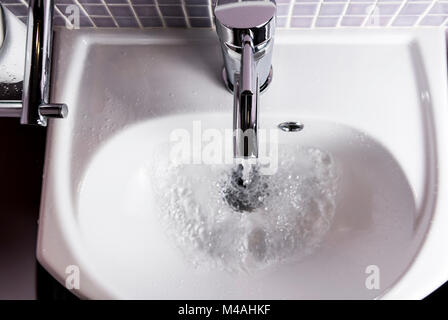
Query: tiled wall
[[290, 13]]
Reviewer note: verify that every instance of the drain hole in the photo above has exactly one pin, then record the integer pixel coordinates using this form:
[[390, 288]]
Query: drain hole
[[291, 126]]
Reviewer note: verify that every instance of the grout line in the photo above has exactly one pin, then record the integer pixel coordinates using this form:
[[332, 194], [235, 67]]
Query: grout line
[[67, 21], [444, 22], [316, 14], [288, 16], [81, 7], [210, 11], [109, 12], [394, 16], [290, 11], [372, 11], [424, 13], [184, 10], [156, 3], [347, 4], [135, 15], [23, 2]]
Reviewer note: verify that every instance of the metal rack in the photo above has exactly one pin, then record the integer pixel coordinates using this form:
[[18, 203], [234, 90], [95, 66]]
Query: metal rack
[[35, 107]]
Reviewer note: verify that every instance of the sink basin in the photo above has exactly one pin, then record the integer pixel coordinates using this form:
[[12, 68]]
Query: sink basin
[[373, 106]]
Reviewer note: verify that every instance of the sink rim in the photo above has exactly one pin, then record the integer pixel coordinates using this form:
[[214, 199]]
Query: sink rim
[[411, 285]]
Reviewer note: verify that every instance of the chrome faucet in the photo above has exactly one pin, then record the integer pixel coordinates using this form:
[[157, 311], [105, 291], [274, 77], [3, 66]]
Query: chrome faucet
[[35, 107], [246, 32]]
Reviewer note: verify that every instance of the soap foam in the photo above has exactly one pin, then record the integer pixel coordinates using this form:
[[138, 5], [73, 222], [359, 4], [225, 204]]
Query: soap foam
[[294, 210]]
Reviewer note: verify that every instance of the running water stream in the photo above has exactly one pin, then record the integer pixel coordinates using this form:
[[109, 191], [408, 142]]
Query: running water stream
[[274, 218]]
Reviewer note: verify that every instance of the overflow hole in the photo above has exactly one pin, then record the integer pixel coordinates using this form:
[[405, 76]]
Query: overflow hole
[[291, 126]]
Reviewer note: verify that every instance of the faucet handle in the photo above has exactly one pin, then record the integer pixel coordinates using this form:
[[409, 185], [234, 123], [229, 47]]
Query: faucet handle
[[235, 23], [54, 110], [237, 19]]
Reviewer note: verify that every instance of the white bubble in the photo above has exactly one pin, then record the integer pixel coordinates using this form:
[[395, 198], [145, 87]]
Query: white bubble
[[288, 219]]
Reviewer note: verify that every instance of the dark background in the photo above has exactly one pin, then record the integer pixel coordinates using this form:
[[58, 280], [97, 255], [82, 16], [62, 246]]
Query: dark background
[[21, 161], [22, 150]]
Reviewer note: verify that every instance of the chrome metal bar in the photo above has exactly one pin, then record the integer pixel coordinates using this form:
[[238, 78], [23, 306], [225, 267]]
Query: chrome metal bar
[[35, 106], [247, 50], [36, 84], [10, 109], [245, 124], [2, 27], [53, 110]]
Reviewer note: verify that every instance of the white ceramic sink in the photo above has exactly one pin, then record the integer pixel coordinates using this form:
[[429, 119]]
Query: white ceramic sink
[[373, 99]]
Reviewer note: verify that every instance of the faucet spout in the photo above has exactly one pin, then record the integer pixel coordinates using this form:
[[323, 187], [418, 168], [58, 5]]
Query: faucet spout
[[245, 122], [246, 33]]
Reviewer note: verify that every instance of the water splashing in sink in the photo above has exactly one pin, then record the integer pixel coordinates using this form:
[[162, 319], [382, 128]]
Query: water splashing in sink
[[222, 217], [246, 188]]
